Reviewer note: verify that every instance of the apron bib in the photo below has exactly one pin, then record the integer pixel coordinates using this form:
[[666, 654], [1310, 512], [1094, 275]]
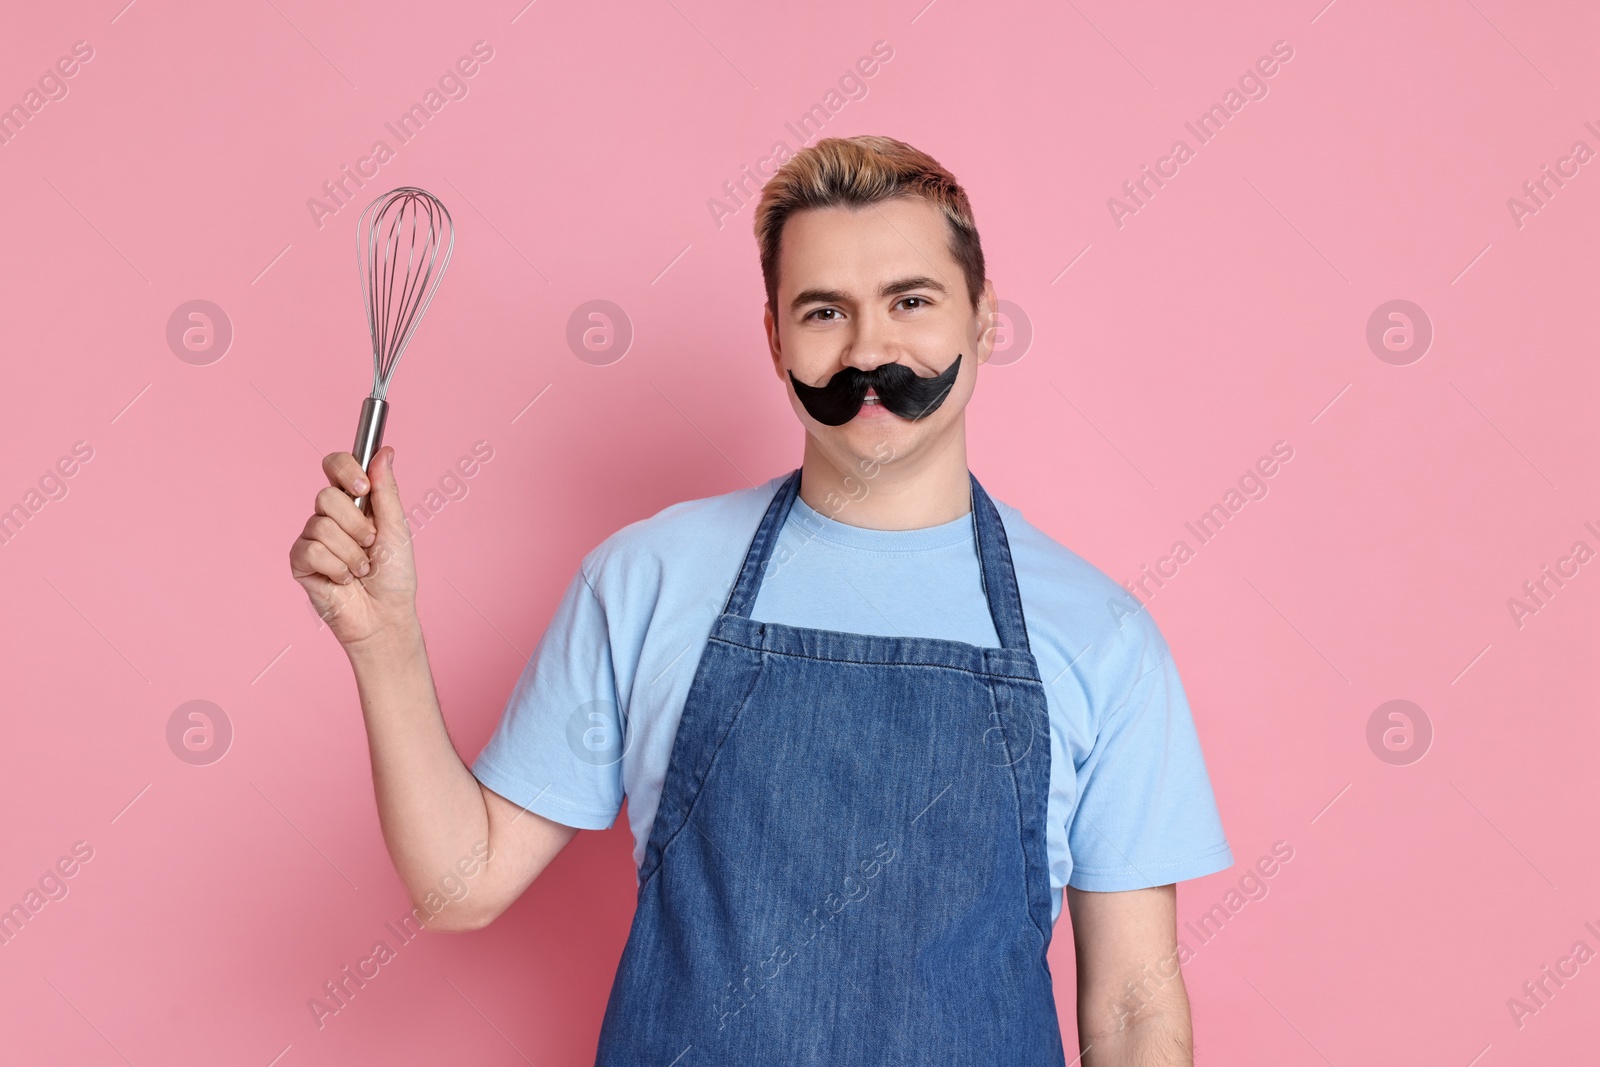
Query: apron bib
[[848, 863]]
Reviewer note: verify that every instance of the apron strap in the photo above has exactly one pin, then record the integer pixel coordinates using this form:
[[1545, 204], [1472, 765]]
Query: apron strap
[[742, 598], [999, 573]]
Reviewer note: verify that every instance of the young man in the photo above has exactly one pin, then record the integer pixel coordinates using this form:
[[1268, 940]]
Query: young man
[[870, 721]]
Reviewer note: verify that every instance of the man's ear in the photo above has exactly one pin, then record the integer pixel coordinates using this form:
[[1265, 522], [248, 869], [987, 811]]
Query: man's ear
[[770, 324], [988, 315]]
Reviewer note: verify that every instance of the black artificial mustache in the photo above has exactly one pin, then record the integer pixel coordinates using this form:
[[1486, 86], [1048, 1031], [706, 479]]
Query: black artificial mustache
[[900, 388]]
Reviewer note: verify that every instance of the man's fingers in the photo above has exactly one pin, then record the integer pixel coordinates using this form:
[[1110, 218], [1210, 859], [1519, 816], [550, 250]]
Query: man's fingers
[[325, 549], [345, 473], [308, 558], [337, 505]]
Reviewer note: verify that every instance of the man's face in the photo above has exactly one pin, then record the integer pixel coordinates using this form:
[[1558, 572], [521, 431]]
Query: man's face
[[861, 287]]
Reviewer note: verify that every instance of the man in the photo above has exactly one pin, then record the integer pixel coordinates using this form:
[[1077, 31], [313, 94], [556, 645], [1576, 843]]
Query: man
[[870, 722]]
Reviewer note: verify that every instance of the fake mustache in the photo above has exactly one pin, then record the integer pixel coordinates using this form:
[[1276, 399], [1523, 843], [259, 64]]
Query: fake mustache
[[902, 391]]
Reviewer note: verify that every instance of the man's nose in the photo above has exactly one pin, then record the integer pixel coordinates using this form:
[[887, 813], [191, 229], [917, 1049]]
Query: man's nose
[[871, 345]]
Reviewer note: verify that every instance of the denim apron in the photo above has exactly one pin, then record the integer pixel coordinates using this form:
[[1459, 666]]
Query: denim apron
[[848, 863]]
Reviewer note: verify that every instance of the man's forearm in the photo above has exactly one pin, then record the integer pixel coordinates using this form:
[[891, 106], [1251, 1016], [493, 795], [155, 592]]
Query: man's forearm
[[1152, 1040], [429, 804], [1133, 1009]]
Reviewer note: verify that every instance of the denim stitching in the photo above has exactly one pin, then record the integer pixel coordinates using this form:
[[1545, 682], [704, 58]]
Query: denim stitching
[[873, 663], [1022, 844], [688, 811]]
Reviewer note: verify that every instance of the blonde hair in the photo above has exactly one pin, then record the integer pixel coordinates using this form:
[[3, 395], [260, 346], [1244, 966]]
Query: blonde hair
[[855, 172]]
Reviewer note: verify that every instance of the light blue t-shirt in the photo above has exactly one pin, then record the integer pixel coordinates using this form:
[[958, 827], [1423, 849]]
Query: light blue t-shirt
[[593, 715]]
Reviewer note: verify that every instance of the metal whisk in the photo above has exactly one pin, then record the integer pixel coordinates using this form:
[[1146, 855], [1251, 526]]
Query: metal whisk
[[403, 245]]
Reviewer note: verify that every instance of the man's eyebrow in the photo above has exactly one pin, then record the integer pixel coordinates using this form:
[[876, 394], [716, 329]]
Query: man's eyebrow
[[894, 288], [905, 285]]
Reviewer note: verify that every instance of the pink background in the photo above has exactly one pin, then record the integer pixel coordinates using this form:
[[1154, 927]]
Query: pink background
[[1227, 314]]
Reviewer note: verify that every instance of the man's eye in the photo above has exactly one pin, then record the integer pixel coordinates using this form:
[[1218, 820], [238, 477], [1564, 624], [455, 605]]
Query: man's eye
[[819, 311], [920, 301]]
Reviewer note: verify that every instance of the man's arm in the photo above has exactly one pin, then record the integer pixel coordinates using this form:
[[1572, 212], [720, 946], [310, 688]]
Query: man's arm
[[442, 827], [433, 812], [1133, 1010]]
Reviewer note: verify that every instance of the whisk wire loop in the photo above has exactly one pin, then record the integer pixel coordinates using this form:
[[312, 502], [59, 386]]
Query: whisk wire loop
[[403, 245]]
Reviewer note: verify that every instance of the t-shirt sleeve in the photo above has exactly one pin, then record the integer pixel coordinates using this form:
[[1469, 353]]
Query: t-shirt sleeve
[[1146, 815], [557, 750]]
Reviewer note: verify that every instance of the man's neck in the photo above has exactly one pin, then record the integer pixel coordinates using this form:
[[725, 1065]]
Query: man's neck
[[928, 488]]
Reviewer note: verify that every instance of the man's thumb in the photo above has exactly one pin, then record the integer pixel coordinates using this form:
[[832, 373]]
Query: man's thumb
[[386, 510]]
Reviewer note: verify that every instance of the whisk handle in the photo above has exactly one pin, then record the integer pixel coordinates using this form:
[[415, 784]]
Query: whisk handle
[[369, 438]]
